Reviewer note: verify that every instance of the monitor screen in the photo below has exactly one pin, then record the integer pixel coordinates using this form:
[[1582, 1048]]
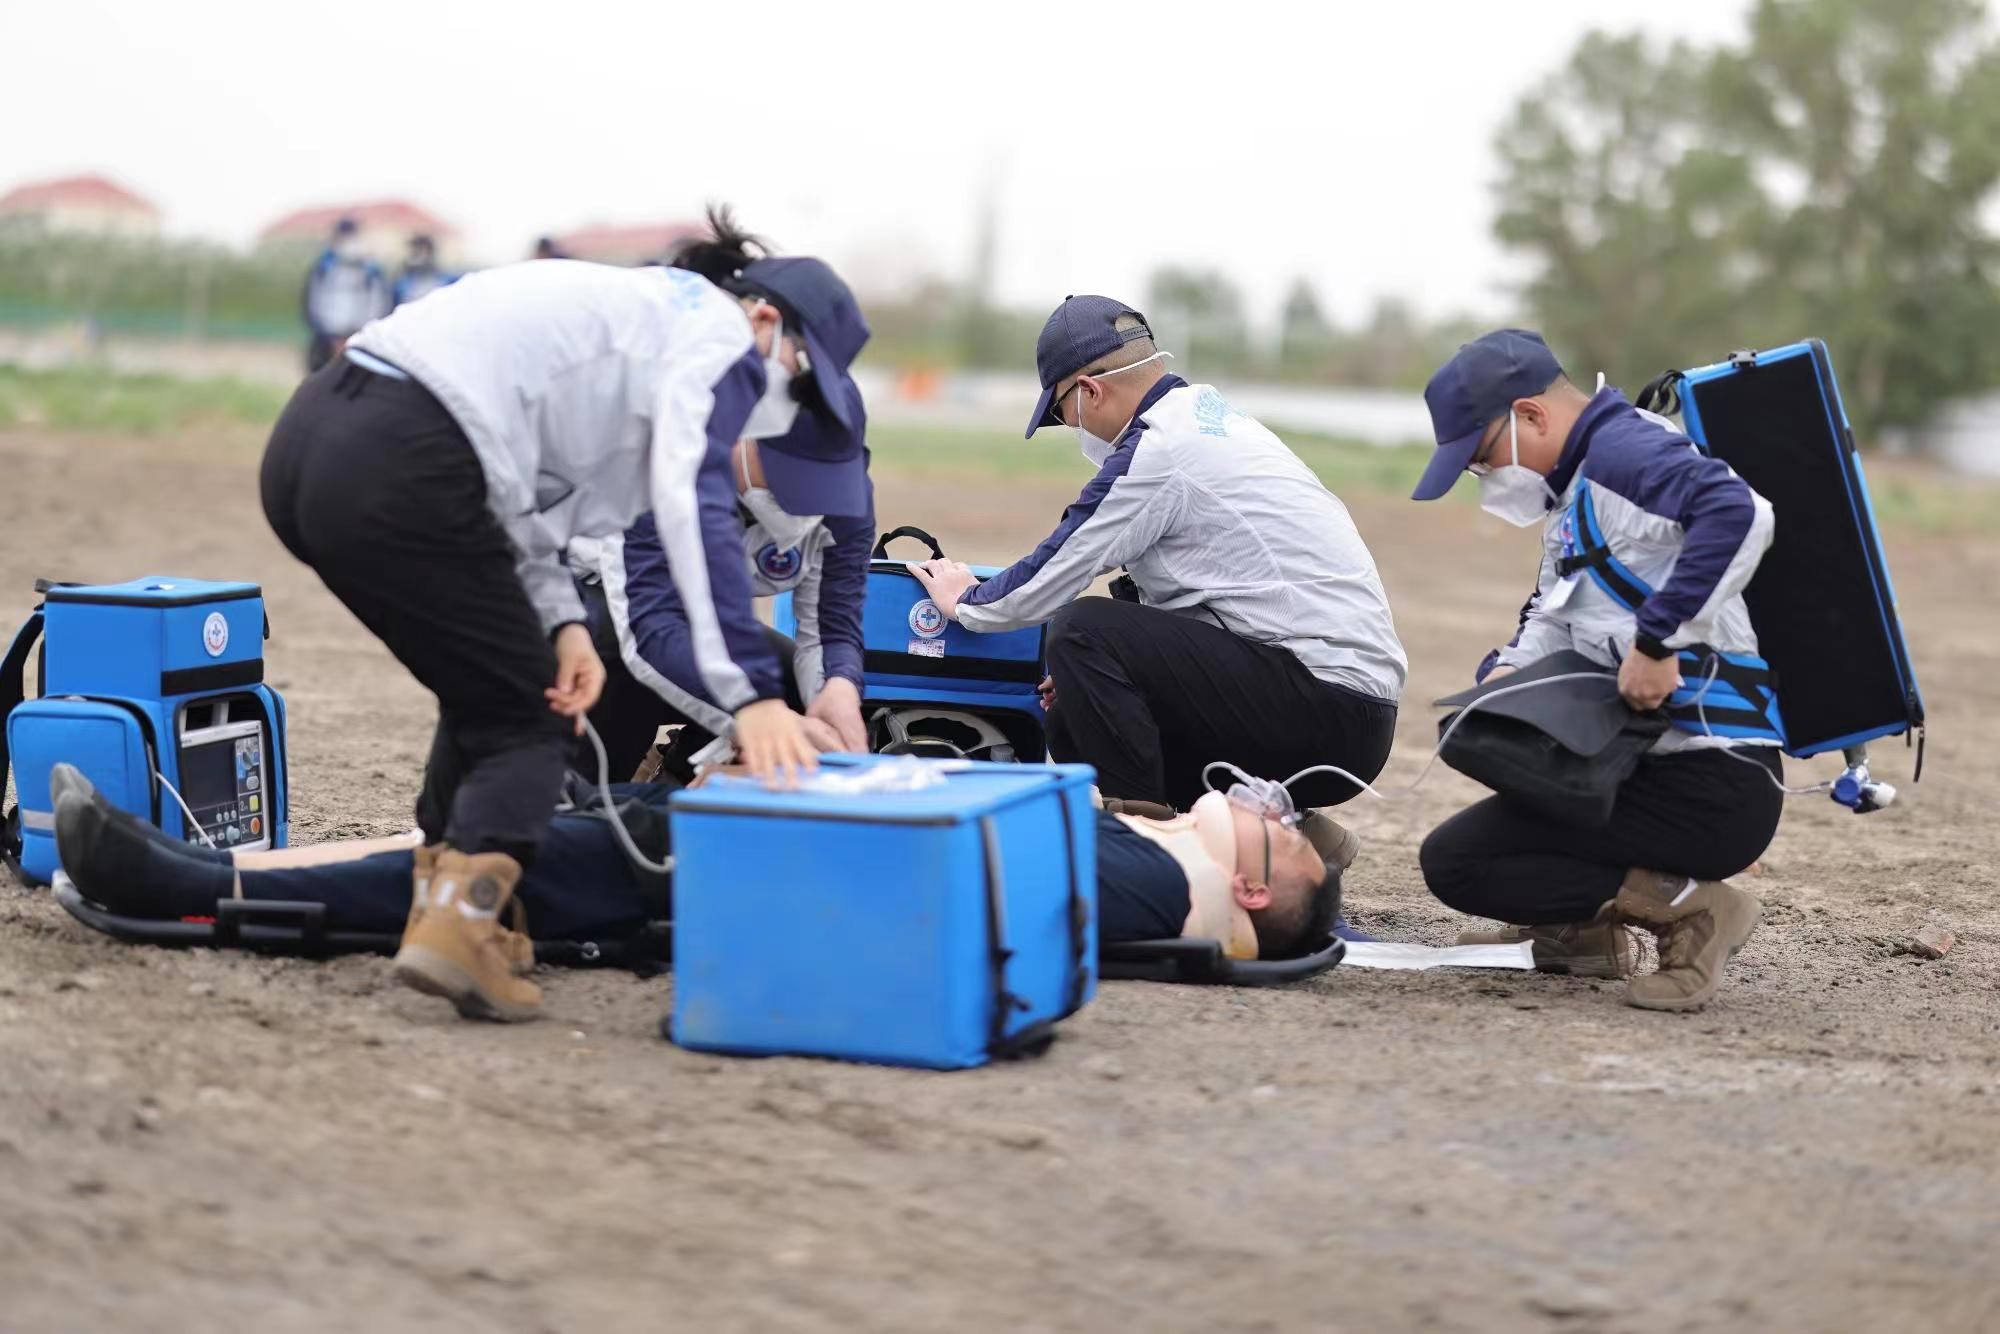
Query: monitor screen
[[208, 774]]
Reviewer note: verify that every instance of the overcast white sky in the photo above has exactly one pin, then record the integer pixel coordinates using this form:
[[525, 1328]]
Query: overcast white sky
[[1348, 142]]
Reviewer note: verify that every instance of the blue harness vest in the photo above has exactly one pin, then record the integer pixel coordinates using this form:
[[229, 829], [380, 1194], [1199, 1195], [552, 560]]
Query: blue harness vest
[[1730, 695]]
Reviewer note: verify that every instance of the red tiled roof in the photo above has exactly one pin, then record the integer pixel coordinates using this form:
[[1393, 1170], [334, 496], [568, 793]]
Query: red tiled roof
[[393, 214], [651, 239], [95, 190]]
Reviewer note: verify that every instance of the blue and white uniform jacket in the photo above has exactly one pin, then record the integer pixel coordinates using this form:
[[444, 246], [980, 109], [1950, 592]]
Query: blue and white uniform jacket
[[341, 295], [1213, 517], [593, 395], [826, 574], [1652, 541]]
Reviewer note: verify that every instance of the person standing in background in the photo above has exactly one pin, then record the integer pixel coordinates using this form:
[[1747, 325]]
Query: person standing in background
[[344, 290], [421, 274]]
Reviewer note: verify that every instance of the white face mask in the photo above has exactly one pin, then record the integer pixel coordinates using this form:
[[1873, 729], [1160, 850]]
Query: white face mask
[[347, 247], [785, 529], [1518, 494], [777, 409], [1096, 448]]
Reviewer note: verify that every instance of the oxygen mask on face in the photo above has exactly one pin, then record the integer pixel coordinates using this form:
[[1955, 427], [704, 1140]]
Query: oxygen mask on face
[[1265, 798]]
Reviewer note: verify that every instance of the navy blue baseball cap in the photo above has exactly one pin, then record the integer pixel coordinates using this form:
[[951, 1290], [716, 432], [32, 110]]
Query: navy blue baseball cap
[[1475, 388], [819, 466], [1082, 329]]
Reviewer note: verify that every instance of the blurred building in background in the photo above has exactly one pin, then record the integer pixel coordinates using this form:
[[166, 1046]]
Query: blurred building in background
[[386, 228], [646, 243], [80, 206]]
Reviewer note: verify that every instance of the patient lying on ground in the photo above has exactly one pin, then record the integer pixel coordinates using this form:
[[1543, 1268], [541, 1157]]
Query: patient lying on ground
[[1259, 887]]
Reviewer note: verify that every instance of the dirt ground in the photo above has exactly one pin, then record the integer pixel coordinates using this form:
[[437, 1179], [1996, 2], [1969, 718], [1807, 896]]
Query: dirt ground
[[203, 1141]]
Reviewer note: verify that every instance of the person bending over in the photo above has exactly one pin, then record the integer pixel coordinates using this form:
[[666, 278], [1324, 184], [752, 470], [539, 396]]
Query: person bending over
[[1647, 545], [1258, 886], [1260, 633], [801, 510]]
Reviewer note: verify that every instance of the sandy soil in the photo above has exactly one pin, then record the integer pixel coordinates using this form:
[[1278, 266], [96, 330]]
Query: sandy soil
[[201, 1141]]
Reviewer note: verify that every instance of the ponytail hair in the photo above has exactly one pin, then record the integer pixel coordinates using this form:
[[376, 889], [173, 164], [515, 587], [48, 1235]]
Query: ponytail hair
[[721, 255]]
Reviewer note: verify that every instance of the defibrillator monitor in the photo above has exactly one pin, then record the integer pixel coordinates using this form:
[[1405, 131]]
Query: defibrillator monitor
[[223, 777]]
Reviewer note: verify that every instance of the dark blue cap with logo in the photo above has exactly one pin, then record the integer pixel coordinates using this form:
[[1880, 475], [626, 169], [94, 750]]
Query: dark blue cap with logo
[[1473, 390], [818, 468], [1082, 329]]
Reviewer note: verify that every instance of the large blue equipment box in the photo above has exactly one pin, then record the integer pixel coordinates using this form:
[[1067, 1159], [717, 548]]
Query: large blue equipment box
[[151, 688], [1821, 601], [912, 655], [940, 927]]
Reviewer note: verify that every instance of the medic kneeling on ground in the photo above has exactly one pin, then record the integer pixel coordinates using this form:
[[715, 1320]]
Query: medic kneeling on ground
[[1253, 628], [1647, 545], [795, 500], [1263, 888]]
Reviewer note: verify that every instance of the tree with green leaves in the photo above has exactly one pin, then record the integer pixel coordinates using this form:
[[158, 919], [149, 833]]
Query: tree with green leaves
[[1826, 177], [1201, 310]]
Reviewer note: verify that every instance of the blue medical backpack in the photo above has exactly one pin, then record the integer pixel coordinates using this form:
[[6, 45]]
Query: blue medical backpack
[[1821, 601], [928, 676], [155, 690]]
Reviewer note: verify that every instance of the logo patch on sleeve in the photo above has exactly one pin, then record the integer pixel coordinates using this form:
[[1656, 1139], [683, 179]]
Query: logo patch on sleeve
[[777, 565]]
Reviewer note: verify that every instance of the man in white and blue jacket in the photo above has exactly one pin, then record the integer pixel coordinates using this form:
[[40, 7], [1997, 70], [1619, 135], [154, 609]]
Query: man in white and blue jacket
[[343, 290], [1647, 546], [1255, 628], [819, 555]]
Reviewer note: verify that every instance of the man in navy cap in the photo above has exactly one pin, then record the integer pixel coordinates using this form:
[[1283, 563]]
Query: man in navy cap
[[806, 509], [1647, 546], [1260, 633]]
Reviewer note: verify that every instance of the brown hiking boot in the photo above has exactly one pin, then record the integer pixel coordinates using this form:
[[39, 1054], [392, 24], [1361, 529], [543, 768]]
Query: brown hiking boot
[[455, 946], [1336, 844], [515, 944], [1600, 947], [1700, 924]]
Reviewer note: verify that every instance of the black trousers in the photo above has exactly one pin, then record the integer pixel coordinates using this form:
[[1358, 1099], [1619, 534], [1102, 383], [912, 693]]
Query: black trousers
[[369, 480], [1150, 697], [629, 714], [1697, 813]]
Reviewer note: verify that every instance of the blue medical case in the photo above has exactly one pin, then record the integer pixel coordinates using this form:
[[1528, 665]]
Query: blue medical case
[[941, 928], [1821, 601], [155, 682], [912, 655]]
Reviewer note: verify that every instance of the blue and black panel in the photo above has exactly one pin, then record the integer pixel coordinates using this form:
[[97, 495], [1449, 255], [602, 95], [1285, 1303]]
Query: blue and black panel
[[1822, 602]]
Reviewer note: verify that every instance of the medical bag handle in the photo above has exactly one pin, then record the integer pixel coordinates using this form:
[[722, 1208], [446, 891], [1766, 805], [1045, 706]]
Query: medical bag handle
[[12, 692], [1035, 1038], [907, 530]]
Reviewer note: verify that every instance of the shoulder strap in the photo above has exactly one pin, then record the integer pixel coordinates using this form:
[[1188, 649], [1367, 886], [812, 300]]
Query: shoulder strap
[[1662, 394], [1589, 551], [12, 692]]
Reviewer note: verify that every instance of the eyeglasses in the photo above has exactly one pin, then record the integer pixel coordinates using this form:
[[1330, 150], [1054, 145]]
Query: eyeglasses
[[1267, 850], [1479, 466], [1057, 401]]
